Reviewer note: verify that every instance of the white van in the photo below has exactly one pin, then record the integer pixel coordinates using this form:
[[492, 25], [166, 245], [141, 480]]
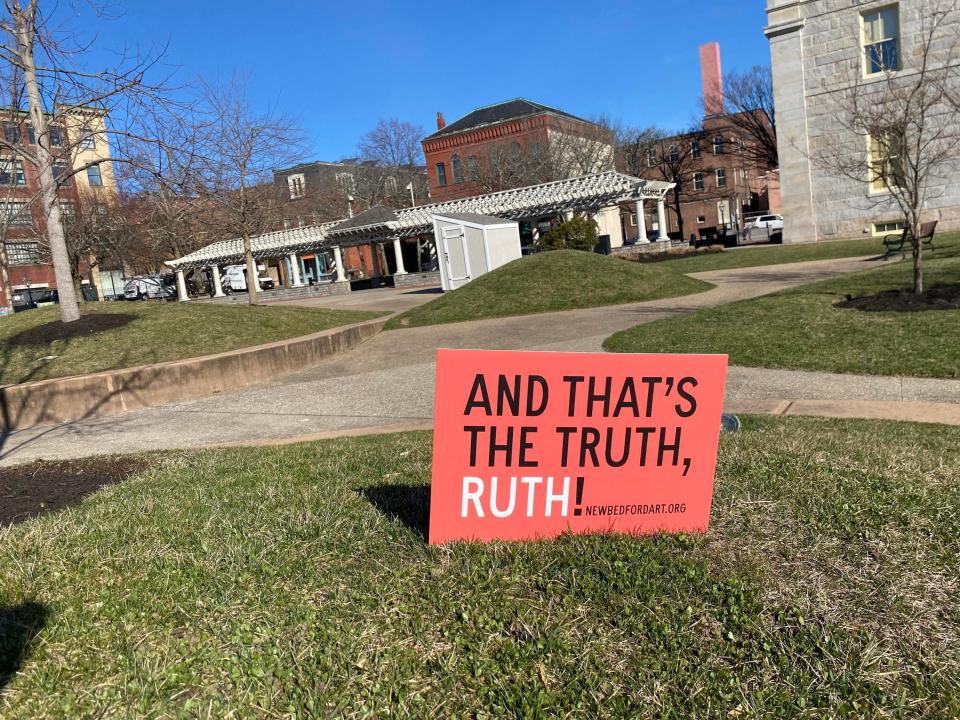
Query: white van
[[234, 278]]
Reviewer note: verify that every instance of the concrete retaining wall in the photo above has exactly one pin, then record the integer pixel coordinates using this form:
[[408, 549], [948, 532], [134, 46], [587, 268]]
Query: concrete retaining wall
[[426, 279], [63, 400]]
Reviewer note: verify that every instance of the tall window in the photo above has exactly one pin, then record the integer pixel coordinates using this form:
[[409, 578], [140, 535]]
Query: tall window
[[651, 158], [31, 135], [881, 39], [441, 175], [346, 182], [297, 185], [89, 142], [15, 214], [59, 173], [27, 253], [456, 168], [11, 172], [674, 155], [472, 171], [698, 181], [56, 136], [94, 177], [721, 178], [390, 185], [11, 133], [717, 145], [695, 149], [886, 165]]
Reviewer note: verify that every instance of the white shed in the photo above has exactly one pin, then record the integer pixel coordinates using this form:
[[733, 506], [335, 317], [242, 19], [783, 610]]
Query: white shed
[[470, 245]]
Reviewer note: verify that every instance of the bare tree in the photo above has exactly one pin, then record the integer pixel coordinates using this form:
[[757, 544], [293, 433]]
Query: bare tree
[[58, 94], [243, 147], [392, 161], [906, 121], [749, 100]]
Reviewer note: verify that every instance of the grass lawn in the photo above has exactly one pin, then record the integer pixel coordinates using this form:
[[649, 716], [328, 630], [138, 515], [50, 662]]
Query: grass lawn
[[801, 328], [550, 281], [296, 582], [156, 332], [777, 255]]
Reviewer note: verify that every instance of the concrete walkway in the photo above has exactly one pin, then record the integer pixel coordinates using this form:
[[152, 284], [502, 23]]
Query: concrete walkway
[[387, 383]]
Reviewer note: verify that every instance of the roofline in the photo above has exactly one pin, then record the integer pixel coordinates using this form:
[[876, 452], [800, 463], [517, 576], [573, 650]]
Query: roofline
[[547, 110]]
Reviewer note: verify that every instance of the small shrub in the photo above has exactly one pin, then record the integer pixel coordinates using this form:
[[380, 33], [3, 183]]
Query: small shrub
[[578, 233]]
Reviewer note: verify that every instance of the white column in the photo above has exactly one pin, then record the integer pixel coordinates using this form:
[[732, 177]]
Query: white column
[[295, 270], [338, 259], [641, 222], [398, 253], [181, 287], [217, 287], [662, 220]]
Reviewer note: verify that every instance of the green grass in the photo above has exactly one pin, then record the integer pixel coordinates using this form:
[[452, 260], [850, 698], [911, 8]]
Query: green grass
[[158, 332], [551, 281], [777, 255], [801, 329], [265, 583]]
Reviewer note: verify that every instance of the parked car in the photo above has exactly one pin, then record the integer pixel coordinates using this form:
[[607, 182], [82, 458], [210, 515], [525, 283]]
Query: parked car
[[234, 279], [151, 287], [31, 298], [767, 222]]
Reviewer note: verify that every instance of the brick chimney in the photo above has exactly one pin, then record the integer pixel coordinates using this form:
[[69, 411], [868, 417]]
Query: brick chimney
[[712, 75], [441, 123]]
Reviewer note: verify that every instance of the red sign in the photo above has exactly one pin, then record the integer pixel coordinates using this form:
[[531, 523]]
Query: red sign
[[530, 445]]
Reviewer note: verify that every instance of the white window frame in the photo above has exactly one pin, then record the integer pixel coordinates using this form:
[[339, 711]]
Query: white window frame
[[698, 182], [347, 182], [17, 256], [867, 18], [297, 185], [721, 173]]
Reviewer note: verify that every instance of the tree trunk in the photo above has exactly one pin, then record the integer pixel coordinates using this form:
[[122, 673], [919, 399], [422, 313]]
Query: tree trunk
[[253, 277], [5, 278], [69, 308], [676, 207], [917, 265]]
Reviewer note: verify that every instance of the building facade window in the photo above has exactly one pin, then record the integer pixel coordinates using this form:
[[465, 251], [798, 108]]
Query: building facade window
[[31, 135], [441, 175], [11, 172], [89, 142], [721, 178], [456, 169], [881, 39], [695, 149], [390, 185], [888, 228], [701, 219], [15, 214], [94, 177], [698, 181], [27, 253], [56, 136], [717, 145], [885, 164], [633, 219], [651, 158], [472, 171], [11, 133], [297, 185], [674, 155], [67, 208], [346, 181], [59, 174]]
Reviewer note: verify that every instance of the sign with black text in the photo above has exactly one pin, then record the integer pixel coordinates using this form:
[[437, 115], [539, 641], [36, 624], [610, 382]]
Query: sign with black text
[[530, 445]]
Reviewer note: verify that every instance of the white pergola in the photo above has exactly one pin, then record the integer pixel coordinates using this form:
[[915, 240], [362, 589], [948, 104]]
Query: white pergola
[[590, 194]]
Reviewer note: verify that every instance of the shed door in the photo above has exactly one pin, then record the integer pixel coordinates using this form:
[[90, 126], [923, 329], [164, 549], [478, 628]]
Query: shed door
[[455, 256]]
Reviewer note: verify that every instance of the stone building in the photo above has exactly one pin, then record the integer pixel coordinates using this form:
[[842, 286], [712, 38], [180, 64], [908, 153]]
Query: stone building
[[512, 144], [821, 51]]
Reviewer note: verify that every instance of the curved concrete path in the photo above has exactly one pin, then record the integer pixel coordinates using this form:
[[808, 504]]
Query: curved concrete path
[[387, 383]]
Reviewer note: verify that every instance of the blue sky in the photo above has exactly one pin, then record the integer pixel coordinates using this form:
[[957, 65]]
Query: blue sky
[[337, 67]]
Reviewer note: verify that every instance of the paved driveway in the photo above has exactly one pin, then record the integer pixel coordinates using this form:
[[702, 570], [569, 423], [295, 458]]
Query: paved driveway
[[388, 381]]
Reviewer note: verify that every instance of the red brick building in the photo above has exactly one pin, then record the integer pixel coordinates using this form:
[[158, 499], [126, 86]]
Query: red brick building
[[721, 180], [28, 265], [512, 144]]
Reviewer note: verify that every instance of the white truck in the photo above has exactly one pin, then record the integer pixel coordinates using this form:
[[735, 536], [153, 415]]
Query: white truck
[[234, 278]]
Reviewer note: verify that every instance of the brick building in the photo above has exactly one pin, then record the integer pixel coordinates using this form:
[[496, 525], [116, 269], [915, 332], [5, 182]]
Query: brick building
[[76, 139], [721, 181], [822, 51], [512, 144], [316, 192]]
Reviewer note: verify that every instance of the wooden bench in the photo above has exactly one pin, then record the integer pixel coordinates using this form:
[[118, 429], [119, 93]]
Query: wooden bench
[[896, 243]]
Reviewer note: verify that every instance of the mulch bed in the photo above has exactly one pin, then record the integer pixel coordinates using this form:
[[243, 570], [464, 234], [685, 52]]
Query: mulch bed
[[941, 297], [41, 487], [52, 331]]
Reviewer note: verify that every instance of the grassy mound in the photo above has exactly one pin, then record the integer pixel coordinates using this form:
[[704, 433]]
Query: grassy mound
[[35, 345], [551, 281], [296, 582], [804, 329]]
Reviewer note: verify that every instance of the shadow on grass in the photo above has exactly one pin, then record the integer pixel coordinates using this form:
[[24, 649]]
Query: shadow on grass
[[19, 626], [410, 504]]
